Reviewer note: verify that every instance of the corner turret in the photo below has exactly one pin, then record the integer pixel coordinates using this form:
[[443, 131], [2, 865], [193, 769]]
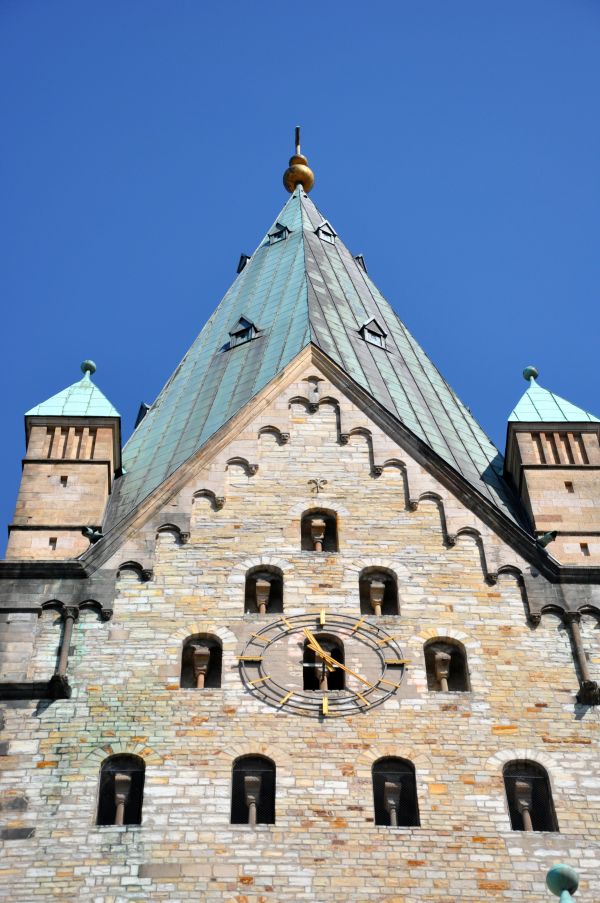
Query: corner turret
[[553, 458], [73, 452]]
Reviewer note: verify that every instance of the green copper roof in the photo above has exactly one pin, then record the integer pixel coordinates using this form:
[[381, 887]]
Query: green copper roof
[[539, 405], [82, 399], [302, 286]]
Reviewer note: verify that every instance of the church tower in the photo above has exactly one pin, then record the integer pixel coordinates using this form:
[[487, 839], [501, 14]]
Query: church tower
[[73, 453], [553, 458], [310, 639]]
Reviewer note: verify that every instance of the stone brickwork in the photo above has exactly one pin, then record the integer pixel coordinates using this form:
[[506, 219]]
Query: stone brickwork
[[237, 506]]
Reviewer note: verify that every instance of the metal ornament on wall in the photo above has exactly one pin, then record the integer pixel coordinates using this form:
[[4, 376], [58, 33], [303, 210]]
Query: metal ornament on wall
[[317, 486]]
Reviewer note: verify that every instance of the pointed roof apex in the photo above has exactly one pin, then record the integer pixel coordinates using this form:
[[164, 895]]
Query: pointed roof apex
[[82, 399], [539, 405], [298, 172]]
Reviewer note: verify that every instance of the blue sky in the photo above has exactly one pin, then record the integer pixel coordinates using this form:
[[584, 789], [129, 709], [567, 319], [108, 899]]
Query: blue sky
[[455, 144]]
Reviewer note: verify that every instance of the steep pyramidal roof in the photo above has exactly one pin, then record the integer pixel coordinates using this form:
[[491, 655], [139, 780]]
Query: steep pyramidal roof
[[82, 399], [302, 286], [538, 405]]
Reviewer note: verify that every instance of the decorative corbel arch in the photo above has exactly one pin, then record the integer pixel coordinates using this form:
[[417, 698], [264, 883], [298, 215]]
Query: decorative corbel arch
[[216, 501], [182, 535], [237, 461], [143, 574], [269, 430], [238, 573]]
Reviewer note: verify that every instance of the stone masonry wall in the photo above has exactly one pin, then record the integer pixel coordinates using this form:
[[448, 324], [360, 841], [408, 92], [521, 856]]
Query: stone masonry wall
[[324, 845]]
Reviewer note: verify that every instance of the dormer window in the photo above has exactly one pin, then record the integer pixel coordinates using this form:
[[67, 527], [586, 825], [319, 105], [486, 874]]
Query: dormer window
[[373, 333], [243, 331], [326, 232], [278, 233]]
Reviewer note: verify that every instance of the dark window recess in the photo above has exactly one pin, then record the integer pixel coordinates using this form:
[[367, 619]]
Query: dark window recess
[[373, 333], [263, 591], [278, 233], [244, 258], [253, 767], [326, 232], [244, 331], [318, 531], [64, 481], [113, 788], [446, 660], [378, 591], [315, 675], [359, 258], [395, 793], [529, 797], [201, 663]]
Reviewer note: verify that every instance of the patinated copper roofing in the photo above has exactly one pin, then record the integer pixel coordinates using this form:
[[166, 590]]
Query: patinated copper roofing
[[539, 405], [299, 289]]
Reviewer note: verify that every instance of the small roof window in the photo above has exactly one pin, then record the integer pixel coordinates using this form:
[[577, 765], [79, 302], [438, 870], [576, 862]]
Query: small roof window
[[373, 333], [279, 232], [360, 259], [243, 331], [326, 232], [244, 258]]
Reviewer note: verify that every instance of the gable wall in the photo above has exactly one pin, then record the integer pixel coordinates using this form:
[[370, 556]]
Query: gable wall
[[324, 845]]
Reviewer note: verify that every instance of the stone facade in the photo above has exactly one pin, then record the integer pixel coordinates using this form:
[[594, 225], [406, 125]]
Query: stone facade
[[179, 566]]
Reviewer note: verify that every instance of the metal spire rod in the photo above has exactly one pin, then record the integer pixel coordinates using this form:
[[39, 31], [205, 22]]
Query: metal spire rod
[[297, 139]]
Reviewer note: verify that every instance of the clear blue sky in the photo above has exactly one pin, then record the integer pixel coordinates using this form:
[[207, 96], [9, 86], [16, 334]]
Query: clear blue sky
[[455, 144]]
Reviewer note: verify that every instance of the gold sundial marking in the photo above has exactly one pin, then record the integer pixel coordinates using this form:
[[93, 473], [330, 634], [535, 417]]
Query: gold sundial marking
[[259, 680]]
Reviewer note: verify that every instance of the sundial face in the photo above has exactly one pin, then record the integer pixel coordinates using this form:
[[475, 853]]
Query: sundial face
[[351, 665]]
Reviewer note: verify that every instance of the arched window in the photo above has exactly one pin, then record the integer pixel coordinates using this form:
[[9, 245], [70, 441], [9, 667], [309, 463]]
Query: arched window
[[378, 590], [529, 797], [264, 591], [316, 676], [201, 662], [121, 791], [395, 793], [253, 791], [318, 531], [446, 666]]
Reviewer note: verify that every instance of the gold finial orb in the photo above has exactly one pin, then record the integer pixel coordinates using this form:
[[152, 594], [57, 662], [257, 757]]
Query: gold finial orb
[[298, 172]]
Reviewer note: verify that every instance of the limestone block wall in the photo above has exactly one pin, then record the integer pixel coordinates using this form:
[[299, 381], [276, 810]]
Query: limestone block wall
[[324, 844]]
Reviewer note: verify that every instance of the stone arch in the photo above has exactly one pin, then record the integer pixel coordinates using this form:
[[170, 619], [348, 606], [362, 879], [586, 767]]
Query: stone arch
[[550, 761], [140, 573], [100, 754], [274, 751], [216, 501], [366, 759], [237, 575], [178, 537], [173, 650]]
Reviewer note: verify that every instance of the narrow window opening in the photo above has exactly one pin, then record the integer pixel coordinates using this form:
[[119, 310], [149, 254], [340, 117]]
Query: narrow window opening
[[553, 447], [93, 435], [581, 447], [567, 447], [585, 549], [373, 333], [64, 481], [49, 440], [378, 592], [201, 663], [569, 486], [263, 592], [78, 442], [395, 793], [279, 233], [446, 666], [316, 675], [253, 791], [64, 434], [318, 531], [121, 791], [52, 542], [537, 441], [529, 797]]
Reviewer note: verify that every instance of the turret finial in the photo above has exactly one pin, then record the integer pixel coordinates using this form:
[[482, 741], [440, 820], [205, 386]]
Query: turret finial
[[530, 373], [562, 881], [87, 368], [298, 172]]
